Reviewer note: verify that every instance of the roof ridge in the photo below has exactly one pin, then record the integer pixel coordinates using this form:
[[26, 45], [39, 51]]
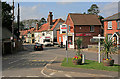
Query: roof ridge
[[111, 15], [80, 14]]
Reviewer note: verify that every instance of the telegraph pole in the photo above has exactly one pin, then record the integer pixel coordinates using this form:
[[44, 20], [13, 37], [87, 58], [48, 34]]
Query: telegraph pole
[[13, 22], [18, 19]]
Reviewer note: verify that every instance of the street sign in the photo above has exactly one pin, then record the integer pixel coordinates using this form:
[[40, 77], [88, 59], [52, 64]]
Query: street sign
[[99, 37]]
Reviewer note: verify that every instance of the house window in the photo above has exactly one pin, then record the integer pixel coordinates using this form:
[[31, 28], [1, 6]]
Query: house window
[[59, 39], [69, 28], [43, 34], [63, 25], [118, 24], [109, 36], [32, 35], [91, 28], [63, 31], [110, 25]]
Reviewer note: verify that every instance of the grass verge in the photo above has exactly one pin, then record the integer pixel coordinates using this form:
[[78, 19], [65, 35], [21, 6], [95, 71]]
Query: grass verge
[[89, 64]]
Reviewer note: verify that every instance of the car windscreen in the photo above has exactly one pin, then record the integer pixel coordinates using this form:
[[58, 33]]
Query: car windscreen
[[47, 40]]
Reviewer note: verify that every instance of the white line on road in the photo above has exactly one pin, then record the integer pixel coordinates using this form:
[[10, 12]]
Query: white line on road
[[67, 75], [14, 76], [46, 67], [15, 61], [32, 76], [60, 71], [52, 73]]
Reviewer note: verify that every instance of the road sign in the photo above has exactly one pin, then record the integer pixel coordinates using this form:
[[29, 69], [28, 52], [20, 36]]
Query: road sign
[[99, 37]]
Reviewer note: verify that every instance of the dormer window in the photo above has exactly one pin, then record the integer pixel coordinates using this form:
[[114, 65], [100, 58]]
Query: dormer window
[[109, 24]]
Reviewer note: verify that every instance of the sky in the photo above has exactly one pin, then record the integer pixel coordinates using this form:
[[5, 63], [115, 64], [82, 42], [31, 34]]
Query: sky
[[37, 10]]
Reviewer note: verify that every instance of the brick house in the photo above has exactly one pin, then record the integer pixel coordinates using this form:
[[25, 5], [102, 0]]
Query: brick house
[[28, 35], [48, 30], [112, 28], [82, 25]]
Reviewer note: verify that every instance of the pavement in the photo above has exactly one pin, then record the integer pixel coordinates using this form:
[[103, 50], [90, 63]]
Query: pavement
[[55, 66]]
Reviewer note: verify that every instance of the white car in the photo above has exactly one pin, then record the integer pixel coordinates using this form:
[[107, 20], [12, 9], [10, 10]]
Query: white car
[[47, 43]]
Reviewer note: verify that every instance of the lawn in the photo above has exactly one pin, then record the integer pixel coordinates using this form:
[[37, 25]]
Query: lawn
[[89, 64]]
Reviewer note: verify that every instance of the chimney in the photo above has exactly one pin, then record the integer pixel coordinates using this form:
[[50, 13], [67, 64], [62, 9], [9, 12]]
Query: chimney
[[49, 19], [37, 26]]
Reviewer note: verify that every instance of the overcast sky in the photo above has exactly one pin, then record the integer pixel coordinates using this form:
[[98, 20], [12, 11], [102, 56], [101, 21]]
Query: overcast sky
[[37, 10]]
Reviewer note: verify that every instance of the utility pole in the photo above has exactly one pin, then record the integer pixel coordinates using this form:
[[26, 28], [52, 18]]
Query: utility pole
[[18, 19], [13, 22]]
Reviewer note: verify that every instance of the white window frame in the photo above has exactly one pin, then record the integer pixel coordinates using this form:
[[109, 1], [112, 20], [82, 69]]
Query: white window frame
[[92, 27], [109, 24], [118, 24], [59, 39]]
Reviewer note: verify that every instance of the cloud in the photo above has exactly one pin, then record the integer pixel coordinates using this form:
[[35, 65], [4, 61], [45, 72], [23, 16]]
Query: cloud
[[109, 9], [29, 12]]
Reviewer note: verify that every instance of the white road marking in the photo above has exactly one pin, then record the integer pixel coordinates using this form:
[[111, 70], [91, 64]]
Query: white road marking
[[44, 64], [46, 67], [32, 76], [44, 73], [60, 71], [67, 75], [15, 61], [14, 76], [52, 73]]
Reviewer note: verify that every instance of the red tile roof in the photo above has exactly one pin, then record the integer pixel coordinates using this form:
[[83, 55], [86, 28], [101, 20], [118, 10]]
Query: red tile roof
[[24, 32], [45, 27], [59, 20]]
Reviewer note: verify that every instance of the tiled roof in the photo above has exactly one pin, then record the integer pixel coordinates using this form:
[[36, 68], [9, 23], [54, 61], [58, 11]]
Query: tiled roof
[[84, 19], [113, 17], [24, 32], [45, 27], [59, 20]]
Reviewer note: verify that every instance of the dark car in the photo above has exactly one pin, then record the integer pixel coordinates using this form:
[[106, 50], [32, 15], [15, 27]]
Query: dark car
[[38, 46]]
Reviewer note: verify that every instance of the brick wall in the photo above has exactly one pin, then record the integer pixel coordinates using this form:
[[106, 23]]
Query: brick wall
[[113, 30], [84, 30], [69, 22], [59, 35]]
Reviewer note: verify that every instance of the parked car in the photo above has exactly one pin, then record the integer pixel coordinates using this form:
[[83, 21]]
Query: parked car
[[47, 42], [38, 46]]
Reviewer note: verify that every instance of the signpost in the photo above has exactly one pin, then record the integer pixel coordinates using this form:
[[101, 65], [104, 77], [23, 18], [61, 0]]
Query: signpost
[[67, 45], [99, 37]]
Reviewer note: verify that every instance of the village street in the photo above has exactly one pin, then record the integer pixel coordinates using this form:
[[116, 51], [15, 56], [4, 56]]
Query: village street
[[30, 63]]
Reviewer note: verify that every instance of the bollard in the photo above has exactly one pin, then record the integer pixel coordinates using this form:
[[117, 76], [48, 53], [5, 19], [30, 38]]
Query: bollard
[[83, 58]]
